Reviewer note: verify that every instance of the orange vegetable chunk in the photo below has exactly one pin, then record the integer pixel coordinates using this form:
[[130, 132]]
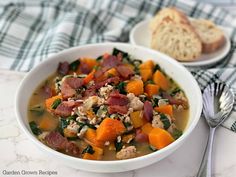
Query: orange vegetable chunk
[[160, 79], [111, 72], [89, 77], [160, 138], [109, 129], [89, 63], [149, 64], [166, 109], [49, 102], [147, 128], [97, 155], [137, 119], [151, 89], [145, 74], [48, 123], [135, 87], [91, 138]]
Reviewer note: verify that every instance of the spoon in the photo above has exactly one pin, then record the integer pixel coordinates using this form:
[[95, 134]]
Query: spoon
[[218, 102]]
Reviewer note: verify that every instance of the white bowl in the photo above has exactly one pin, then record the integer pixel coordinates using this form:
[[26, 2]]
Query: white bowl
[[170, 66]]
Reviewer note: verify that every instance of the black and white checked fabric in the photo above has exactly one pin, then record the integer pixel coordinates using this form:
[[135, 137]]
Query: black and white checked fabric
[[32, 30]]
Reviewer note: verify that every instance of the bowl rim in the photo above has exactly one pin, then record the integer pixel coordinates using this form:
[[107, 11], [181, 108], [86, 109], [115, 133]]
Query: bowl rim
[[108, 162]]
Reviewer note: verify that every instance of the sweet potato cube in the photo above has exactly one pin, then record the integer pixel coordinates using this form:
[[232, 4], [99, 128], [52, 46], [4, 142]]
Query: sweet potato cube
[[160, 138], [135, 87], [145, 74], [109, 129], [160, 79], [147, 128], [147, 65], [91, 138], [151, 89], [97, 155], [50, 101], [137, 118], [166, 109]]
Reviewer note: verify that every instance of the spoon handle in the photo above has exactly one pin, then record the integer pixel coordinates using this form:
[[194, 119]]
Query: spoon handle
[[206, 165]]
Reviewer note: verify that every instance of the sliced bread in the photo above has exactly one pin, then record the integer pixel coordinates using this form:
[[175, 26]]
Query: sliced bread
[[177, 40], [211, 36], [170, 12]]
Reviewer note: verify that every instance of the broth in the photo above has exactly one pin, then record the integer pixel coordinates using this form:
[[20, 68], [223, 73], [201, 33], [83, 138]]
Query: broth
[[39, 112]]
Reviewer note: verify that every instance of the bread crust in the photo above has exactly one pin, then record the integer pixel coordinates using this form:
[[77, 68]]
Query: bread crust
[[178, 40], [171, 13], [211, 36]]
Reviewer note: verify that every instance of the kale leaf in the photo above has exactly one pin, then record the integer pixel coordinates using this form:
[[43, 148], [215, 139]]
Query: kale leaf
[[88, 149], [34, 128]]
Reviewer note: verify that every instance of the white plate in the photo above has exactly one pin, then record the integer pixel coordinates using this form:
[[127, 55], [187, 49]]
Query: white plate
[[141, 35]]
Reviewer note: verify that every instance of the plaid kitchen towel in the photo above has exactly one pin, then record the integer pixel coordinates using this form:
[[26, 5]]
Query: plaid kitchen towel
[[30, 31]]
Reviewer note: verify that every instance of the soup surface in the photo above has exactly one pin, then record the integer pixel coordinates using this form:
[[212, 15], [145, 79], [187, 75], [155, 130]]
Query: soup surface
[[111, 108]]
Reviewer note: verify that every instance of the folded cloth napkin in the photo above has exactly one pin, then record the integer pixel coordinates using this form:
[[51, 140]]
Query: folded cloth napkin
[[30, 31]]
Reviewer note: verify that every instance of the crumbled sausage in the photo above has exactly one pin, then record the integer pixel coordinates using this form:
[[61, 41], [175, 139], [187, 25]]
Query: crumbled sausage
[[171, 128], [73, 126], [135, 102], [126, 153], [156, 122], [105, 91], [180, 96], [162, 102], [42, 136], [91, 101]]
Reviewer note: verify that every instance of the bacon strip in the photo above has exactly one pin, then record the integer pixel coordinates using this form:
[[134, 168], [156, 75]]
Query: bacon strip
[[117, 109], [124, 71], [56, 141], [65, 108], [74, 82], [63, 68], [110, 61], [67, 91], [117, 99], [69, 85], [107, 81]]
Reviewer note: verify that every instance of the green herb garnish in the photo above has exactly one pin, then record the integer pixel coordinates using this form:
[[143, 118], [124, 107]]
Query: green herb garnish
[[63, 123], [155, 102], [117, 51], [96, 67], [121, 87], [165, 121], [74, 65], [34, 128], [177, 133], [72, 138], [118, 145], [127, 124], [95, 109], [157, 67], [71, 117], [176, 90], [88, 149], [56, 103], [86, 124], [99, 58], [37, 109]]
